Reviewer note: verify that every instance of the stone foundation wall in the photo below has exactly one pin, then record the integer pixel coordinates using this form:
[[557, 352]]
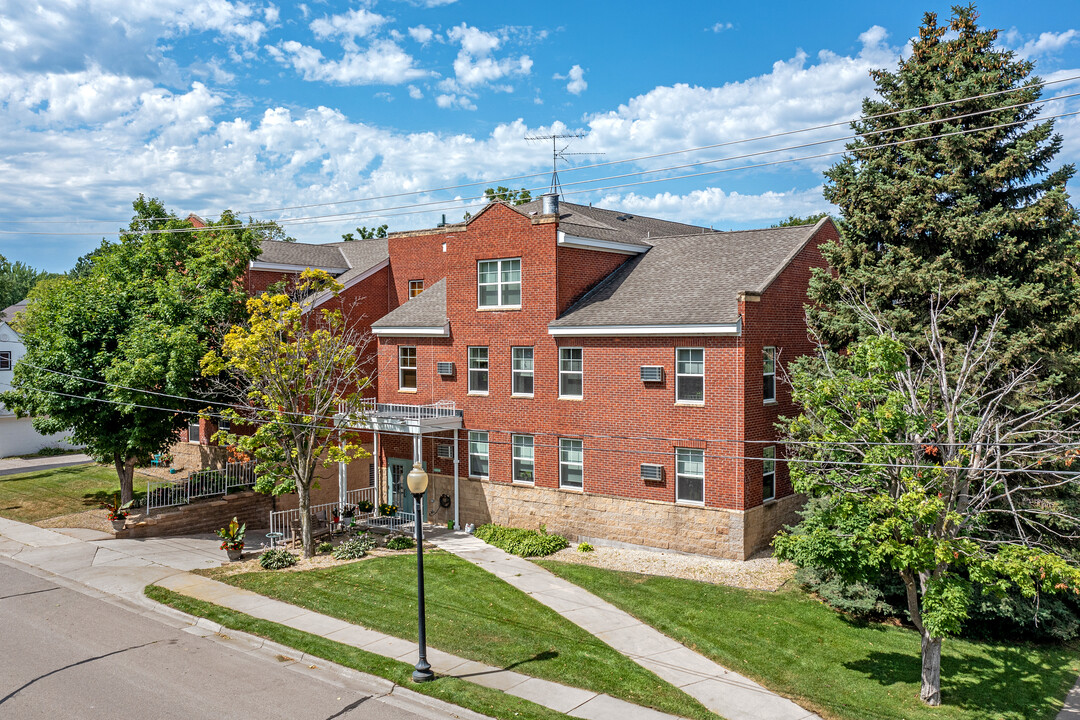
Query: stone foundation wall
[[764, 521], [205, 516], [193, 457]]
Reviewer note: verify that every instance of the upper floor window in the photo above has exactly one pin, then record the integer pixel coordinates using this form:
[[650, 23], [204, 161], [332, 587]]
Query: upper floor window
[[523, 458], [478, 454], [478, 369], [193, 430], [499, 283], [224, 425], [5, 360], [689, 475], [690, 375], [768, 374], [571, 463], [406, 368], [415, 288], [768, 473], [522, 381], [570, 373]]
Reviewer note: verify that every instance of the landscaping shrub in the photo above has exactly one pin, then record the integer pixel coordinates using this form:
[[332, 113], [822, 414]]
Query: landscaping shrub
[[355, 548], [585, 547], [277, 559], [519, 541], [400, 542], [324, 547]]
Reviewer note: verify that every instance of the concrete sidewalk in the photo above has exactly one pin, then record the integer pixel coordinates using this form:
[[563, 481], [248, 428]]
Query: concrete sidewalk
[[122, 568], [17, 465], [726, 693]]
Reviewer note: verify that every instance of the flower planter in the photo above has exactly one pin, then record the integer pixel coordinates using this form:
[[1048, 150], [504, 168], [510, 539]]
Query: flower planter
[[235, 553], [118, 524]]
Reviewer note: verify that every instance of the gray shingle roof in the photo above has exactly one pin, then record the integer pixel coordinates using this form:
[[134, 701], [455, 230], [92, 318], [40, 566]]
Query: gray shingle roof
[[691, 279], [303, 254], [612, 225], [9, 312], [362, 255], [428, 309]]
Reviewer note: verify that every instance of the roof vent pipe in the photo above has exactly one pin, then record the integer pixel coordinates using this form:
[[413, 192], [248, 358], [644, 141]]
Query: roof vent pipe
[[550, 203]]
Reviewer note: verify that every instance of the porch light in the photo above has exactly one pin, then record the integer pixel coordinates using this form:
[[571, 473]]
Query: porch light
[[417, 479]]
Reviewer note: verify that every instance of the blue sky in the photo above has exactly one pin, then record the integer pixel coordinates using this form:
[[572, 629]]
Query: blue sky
[[257, 106]]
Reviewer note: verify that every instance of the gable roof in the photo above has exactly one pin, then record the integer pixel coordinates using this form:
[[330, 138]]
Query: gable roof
[[8, 313], [689, 280], [424, 314], [327, 257], [612, 225]]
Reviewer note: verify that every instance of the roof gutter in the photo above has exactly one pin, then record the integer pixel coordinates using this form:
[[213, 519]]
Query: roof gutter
[[728, 329], [611, 246], [287, 267], [418, 331]]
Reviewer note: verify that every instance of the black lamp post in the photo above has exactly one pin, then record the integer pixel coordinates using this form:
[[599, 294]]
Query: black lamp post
[[417, 481]]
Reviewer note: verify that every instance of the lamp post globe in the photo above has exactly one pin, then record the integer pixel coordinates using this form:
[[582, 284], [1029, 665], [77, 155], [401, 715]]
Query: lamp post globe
[[417, 480]]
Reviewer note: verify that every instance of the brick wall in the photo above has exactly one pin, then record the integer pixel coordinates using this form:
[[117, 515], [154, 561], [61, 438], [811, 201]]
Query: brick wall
[[205, 516]]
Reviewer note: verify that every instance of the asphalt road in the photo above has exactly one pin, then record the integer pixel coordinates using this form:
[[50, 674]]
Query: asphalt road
[[66, 655]]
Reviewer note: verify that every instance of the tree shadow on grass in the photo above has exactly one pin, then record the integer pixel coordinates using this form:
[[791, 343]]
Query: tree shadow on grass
[[1002, 681], [94, 499]]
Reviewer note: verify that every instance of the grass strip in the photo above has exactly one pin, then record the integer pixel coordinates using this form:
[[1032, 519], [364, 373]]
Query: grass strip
[[50, 492], [795, 645], [475, 615], [486, 701]]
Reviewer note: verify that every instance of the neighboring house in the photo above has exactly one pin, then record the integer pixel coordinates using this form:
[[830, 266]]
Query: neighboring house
[[17, 435], [612, 377]]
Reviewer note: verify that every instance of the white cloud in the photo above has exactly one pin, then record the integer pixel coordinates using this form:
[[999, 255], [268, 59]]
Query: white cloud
[[1046, 43], [720, 27], [415, 93], [474, 64], [576, 76], [348, 26], [714, 205], [382, 63], [421, 34]]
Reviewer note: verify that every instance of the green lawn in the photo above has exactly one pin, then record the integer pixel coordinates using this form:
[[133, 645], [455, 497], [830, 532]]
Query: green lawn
[[473, 614], [486, 701], [796, 646], [34, 496]]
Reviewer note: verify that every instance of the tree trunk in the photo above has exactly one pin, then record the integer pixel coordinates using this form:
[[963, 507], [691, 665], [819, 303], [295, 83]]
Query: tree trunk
[[125, 472], [305, 519], [931, 670]]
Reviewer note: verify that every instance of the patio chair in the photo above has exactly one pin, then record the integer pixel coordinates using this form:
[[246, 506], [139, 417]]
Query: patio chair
[[319, 526]]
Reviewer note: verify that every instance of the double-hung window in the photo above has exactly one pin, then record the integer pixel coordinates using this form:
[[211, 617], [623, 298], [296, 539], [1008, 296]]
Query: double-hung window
[[768, 374], [415, 288], [5, 360], [522, 380], [768, 473], [478, 370], [570, 372], [193, 430], [478, 454], [690, 375], [570, 463], [523, 458], [689, 475], [406, 368], [499, 283]]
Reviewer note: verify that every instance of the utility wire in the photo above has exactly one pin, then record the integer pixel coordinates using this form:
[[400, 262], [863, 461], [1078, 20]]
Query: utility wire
[[665, 154]]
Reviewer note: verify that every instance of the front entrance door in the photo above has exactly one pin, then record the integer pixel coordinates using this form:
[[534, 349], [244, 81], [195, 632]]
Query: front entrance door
[[399, 489]]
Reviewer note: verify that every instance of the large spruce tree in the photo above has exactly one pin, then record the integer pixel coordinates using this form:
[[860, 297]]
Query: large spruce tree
[[980, 212]]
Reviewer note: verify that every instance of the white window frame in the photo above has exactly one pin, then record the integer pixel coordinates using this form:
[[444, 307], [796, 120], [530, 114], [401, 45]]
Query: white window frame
[[565, 445], [518, 459], [224, 425], [414, 291], [680, 476], [515, 372], [198, 436], [475, 437], [768, 357], [5, 360], [402, 368], [486, 369], [499, 284], [768, 472], [679, 376], [580, 373]]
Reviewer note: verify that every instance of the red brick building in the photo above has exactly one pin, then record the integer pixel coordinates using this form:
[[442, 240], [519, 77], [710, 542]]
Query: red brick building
[[609, 376]]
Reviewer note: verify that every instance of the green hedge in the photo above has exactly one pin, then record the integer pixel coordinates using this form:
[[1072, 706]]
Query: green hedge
[[519, 541]]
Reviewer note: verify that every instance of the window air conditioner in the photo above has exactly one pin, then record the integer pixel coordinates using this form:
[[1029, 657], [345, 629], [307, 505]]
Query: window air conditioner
[[445, 368], [652, 472], [652, 373]]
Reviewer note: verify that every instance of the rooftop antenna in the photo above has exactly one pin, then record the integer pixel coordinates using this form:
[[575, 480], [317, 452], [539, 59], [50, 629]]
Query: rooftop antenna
[[558, 154]]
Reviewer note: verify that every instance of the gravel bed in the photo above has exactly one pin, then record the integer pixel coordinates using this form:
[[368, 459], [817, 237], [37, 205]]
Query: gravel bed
[[762, 572]]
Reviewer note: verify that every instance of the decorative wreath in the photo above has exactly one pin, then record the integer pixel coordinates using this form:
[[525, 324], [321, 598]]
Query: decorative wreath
[[444, 501]]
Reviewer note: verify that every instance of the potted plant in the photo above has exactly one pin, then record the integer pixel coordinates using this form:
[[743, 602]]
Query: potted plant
[[387, 510], [365, 506], [232, 539], [117, 513]]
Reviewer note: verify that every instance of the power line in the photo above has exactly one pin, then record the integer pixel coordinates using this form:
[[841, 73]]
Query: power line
[[658, 155]]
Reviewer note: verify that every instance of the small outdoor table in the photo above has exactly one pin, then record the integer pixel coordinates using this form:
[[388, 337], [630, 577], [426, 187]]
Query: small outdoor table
[[273, 537]]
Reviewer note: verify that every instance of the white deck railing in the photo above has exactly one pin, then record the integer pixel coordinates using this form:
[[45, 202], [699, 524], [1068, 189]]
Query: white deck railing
[[205, 483]]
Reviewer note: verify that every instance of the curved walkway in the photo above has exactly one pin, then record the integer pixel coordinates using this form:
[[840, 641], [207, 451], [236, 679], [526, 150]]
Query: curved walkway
[[726, 693]]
